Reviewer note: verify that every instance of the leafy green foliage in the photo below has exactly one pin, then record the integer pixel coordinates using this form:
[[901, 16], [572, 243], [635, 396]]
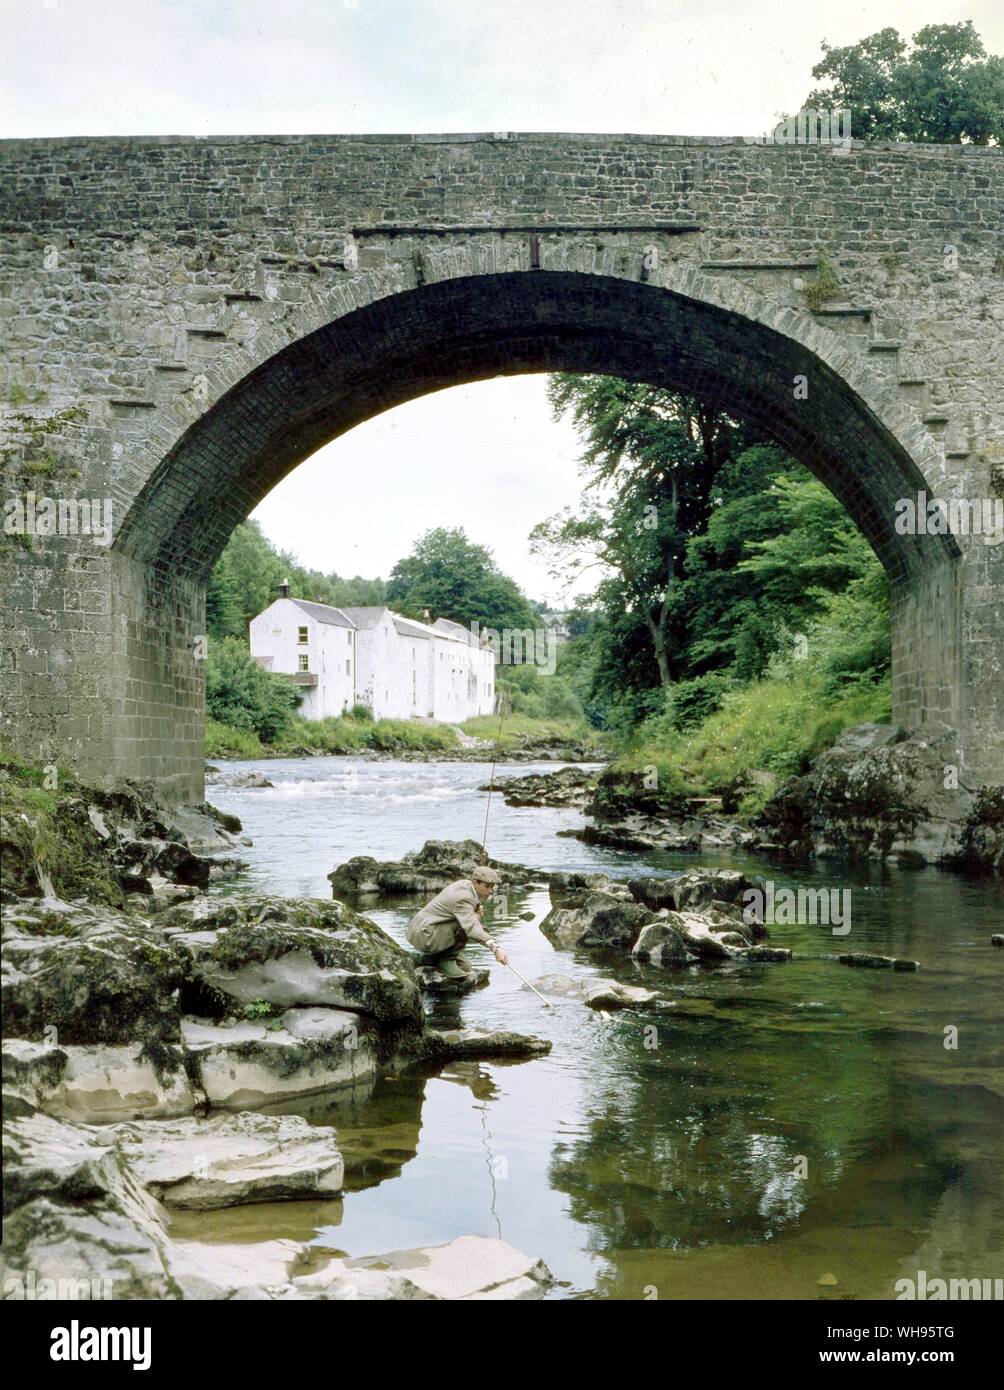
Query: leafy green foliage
[[243, 696], [945, 89], [244, 580], [456, 579], [651, 461]]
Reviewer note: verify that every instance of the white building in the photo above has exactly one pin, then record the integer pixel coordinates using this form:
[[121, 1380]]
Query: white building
[[399, 668], [315, 646]]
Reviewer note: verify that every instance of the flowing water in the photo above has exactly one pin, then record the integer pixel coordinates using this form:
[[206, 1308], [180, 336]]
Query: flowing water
[[803, 1130]]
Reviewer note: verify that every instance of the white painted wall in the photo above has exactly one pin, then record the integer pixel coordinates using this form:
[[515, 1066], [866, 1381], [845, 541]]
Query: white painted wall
[[399, 675], [330, 653]]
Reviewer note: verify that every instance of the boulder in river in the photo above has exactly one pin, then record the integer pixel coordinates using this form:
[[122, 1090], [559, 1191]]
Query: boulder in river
[[432, 981], [595, 918], [702, 907], [661, 945], [569, 787], [423, 872], [295, 951], [886, 793]]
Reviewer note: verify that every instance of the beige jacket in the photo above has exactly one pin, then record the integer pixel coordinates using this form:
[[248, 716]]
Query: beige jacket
[[434, 927]]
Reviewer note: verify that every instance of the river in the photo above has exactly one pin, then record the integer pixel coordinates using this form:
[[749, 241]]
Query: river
[[803, 1130]]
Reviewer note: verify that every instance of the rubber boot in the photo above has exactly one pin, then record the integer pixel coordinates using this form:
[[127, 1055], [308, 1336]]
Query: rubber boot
[[452, 970]]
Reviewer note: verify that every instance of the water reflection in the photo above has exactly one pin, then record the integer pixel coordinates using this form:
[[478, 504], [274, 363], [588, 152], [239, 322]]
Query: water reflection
[[793, 1131]]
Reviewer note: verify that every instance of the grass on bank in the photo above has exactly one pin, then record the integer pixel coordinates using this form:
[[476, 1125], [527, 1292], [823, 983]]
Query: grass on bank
[[45, 840], [344, 735], [355, 735], [773, 726], [522, 730]]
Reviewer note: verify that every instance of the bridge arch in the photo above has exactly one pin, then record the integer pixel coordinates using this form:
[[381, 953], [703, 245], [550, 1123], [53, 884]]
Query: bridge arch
[[690, 332], [212, 311], [694, 333]]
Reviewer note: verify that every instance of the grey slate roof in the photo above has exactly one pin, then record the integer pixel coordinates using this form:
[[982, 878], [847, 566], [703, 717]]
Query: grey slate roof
[[364, 617], [324, 613]]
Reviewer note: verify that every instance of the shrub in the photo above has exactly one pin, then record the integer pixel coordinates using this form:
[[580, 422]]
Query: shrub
[[243, 696]]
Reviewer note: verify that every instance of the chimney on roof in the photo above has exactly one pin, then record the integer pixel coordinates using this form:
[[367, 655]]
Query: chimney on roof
[[283, 590], [427, 615]]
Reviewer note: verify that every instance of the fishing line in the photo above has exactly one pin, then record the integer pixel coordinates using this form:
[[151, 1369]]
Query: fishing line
[[483, 1107], [491, 784]]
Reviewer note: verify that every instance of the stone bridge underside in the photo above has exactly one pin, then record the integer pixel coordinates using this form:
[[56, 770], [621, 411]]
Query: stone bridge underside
[[186, 320]]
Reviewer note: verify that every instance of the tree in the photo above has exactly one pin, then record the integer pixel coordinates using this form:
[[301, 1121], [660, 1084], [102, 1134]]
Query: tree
[[245, 578], [945, 90], [651, 460], [454, 578]]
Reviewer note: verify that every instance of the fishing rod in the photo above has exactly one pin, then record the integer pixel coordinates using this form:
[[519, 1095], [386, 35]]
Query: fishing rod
[[503, 705]]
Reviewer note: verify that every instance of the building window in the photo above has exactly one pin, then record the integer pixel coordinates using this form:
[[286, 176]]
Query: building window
[[348, 638], [304, 661], [302, 638], [348, 668]]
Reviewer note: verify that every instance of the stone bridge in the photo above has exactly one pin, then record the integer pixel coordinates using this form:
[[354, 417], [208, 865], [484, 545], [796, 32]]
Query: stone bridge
[[185, 320]]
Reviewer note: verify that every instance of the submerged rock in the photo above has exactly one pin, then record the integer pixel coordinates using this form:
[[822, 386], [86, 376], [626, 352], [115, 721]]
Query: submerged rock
[[424, 871], [870, 962], [467, 1269], [453, 1044], [596, 993]]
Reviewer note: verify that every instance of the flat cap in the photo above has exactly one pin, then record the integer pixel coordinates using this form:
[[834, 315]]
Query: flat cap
[[483, 874]]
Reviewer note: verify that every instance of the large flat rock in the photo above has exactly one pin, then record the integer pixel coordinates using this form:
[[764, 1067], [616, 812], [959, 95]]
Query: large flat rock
[[225, 1160], [243, 1066], [95, 1084]]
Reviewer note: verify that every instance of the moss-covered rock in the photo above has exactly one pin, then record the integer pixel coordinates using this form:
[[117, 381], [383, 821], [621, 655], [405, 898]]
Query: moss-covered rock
[[424, 871], [295, 951], [75, 973]]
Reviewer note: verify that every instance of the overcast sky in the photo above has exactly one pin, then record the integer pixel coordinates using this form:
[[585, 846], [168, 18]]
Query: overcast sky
[[486, 457]]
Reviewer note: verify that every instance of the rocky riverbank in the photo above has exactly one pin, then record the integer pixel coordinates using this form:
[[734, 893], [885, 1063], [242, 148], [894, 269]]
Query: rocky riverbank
[[145, 1024], [883, 793], [880, 793]]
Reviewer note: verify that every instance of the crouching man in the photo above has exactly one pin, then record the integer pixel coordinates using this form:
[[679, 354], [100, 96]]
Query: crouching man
[[444, 926]]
